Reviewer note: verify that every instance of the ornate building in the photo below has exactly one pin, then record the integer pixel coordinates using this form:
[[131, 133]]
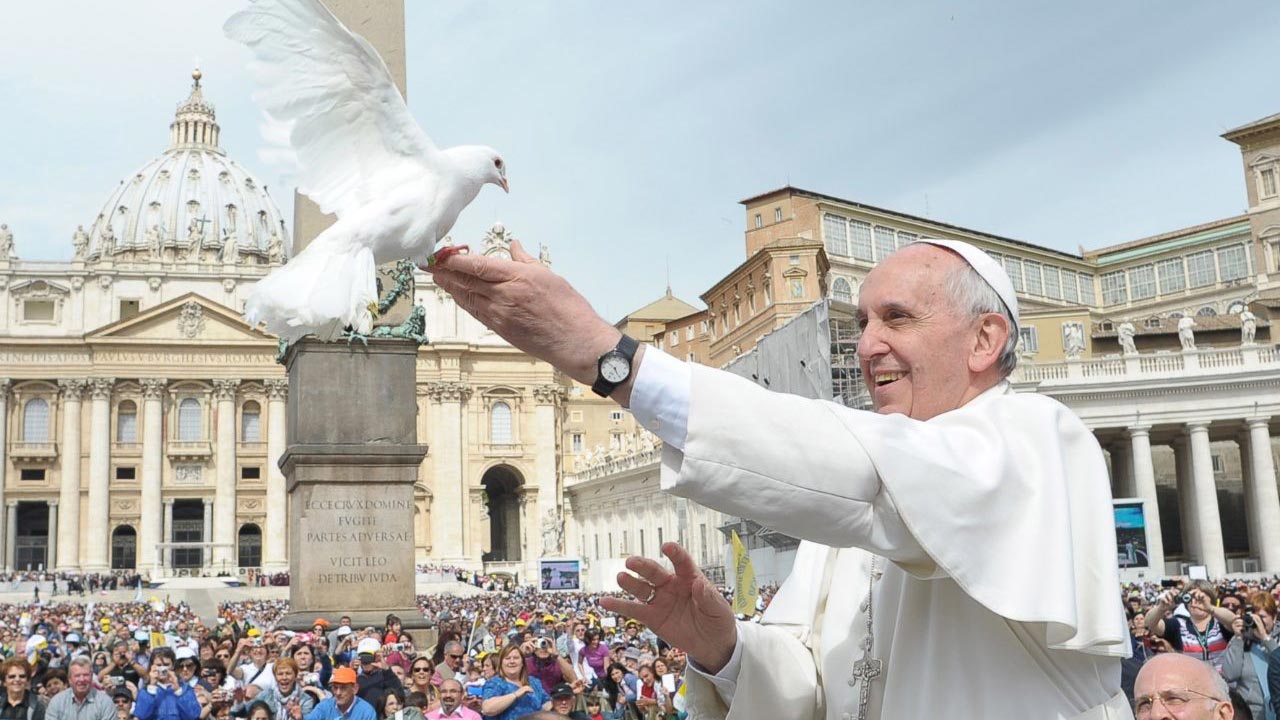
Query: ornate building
[[141, 419]]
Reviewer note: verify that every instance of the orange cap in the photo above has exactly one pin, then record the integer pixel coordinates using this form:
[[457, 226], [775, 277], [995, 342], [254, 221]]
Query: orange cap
[[343, 676]]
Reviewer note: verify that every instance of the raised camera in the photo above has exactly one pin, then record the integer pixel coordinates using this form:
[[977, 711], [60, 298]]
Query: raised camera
[[1185, 598], [1249, 624]]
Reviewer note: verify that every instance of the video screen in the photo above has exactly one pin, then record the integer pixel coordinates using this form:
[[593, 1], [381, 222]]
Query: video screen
[[1131, 535], [560, 574]]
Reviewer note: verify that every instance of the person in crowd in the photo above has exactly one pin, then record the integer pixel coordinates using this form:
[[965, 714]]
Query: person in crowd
[[1203, 632], [165, 696], [375, 678], [1182, 686], [513, 693], [21, 702], [595, 652], [122, 667], [1245, 663], [394, 706], [343, 704], [123, 699], [546, 664], [213, 675], [53, 682], [453, 654], [451, 703], [651, 697], [187, 665], [80, 701], [419, 680], [620, 688], [257, 711], [564, 701], [255, 675], [285, 693]]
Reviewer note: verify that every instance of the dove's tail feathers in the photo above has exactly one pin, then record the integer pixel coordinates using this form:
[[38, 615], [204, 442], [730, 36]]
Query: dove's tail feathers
[[319, 292]]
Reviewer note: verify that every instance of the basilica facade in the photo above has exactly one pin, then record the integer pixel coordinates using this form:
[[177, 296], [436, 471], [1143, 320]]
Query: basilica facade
[[141, 419]]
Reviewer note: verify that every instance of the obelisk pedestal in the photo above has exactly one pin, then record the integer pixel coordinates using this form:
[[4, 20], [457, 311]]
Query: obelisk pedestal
[[351, 463]]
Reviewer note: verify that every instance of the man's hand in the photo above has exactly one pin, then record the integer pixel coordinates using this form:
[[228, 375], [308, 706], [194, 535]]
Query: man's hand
[[686, 610], [530, 307]]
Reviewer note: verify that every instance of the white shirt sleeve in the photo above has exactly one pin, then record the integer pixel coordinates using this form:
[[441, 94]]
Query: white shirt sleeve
[[660, 397], [725, 681]]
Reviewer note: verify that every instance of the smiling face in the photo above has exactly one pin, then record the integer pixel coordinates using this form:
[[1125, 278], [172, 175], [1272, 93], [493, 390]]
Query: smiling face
[[921, 355]]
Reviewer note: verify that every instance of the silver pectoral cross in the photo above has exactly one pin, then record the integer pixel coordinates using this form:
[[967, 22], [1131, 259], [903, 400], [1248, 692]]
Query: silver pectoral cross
[[866, 670]]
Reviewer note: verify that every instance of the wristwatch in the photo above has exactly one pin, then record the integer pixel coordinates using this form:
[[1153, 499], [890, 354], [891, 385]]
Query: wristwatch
[[614, 367]]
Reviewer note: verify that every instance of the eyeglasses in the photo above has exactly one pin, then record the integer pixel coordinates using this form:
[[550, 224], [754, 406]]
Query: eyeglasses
[[455, 657], [1173, 701], [422, 668]]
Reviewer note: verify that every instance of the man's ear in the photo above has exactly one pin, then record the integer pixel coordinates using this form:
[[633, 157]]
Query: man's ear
[[989, 342]]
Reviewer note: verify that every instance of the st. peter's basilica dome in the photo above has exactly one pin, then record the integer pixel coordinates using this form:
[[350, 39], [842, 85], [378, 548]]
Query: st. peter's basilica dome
[[191, 204]]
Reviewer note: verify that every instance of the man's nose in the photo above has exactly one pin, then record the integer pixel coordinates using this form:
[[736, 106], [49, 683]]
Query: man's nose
[[870, 342]]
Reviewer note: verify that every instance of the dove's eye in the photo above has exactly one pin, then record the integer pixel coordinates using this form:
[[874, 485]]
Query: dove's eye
[[497, 162]]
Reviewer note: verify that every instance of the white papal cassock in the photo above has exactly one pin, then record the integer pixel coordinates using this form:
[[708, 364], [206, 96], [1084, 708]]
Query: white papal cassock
[[1001, 595]]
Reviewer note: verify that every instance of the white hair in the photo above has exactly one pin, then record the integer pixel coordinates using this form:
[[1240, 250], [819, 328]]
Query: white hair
[[972, 294]]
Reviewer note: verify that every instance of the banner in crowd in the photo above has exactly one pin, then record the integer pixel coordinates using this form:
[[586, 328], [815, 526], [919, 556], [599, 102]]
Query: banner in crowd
[[745, 592]]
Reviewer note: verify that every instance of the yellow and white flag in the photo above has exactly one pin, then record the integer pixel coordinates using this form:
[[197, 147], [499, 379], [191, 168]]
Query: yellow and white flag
[[745, 592]]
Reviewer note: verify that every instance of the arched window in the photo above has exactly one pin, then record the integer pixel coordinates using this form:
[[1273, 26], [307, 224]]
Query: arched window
[[841, 291], [1206, 311], [127, 422], [189, 422], [251, 423], [249, 546], [35, 421], [500, 424]]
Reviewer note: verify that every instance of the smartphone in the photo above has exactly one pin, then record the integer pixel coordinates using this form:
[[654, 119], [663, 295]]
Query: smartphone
[[477, 690]]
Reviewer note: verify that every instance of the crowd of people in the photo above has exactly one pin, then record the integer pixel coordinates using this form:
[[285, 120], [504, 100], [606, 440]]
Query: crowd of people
[[1230, 625], [498, 655]]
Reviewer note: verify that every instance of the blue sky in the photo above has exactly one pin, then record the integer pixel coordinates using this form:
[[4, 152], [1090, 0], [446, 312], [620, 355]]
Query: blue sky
[[632, 130]]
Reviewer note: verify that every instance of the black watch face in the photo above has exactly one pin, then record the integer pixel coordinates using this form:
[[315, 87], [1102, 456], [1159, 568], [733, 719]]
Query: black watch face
[[614, 367]]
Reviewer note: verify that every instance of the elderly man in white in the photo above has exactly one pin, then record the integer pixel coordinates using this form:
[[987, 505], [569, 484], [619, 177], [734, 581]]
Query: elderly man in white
[[989, 588]]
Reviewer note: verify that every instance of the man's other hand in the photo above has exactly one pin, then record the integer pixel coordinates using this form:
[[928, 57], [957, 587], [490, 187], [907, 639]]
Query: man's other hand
[[686, 610]]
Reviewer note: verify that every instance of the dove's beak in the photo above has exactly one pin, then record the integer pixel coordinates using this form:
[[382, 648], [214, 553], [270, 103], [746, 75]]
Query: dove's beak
[[505, 187]]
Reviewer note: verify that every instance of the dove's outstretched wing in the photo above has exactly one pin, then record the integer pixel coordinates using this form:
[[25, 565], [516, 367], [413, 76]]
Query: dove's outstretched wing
[[348, 124]]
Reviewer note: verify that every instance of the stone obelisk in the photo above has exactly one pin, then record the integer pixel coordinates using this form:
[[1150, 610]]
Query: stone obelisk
[[352, 456]]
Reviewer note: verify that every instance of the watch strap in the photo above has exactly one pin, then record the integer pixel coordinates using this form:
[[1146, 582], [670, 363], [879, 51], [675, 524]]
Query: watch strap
[[626, 347]]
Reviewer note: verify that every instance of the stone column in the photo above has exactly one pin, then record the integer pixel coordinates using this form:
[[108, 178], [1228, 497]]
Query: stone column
[[224, 506], [1205, 494], [167, 535], [352, 462], [1265, 497], [1144, 480], [1122, 469], [4, 463], [479, 524], [51, 551], [275, 548], [10, 534], [97, 538], [1186, 503], [206, 533], [66, 536], [449, 504], [571, 532], [152, 469], [548, 527]]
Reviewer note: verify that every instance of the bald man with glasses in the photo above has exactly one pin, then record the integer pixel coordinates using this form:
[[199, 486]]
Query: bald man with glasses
[[1173, 685]]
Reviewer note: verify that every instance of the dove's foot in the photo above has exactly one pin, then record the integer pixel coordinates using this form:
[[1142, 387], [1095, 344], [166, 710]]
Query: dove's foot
[[443, 254], [353, 335], [373, 309]]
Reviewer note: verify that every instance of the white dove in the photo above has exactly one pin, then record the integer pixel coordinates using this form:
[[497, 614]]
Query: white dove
[[359, 155]]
